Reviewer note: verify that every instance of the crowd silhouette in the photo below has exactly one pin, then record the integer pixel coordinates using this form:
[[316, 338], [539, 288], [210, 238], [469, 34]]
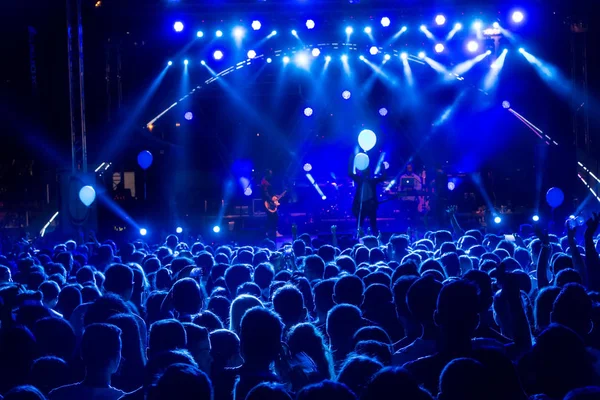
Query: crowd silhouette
[[449, 316]]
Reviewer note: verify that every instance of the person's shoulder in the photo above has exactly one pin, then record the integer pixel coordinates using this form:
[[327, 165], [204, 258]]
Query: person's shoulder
[[63, 392], [79, 391], [415, 350], [424, 363], [135, 395]]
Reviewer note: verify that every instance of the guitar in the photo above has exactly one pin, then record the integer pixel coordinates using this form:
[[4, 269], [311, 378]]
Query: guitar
[[273, 205]]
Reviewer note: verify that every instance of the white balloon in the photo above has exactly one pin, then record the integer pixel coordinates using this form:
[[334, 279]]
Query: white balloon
[[87, 195], [367, 139], [361, 161]]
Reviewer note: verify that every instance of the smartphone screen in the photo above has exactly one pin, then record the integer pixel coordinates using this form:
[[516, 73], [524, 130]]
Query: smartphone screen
[[510, 238]]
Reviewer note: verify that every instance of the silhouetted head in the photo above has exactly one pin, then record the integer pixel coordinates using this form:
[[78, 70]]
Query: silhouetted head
[[349, 289], [185, 382], [260, 336], [326, 390]]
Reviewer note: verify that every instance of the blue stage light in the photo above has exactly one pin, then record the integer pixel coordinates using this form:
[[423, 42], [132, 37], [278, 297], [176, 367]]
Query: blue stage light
[[496, 25], [458, 26], [423, 28], [219, 33], [477, 25], [368, 30], [387, 57], [251, 54], [218, 54], [518, 17], [521, 50], [189, 116], [216, 229], [323, 197], [404, 29], [269, 60], [143, 232], [327, 58], [238, 32], [344, 58], [273, 33], [199, 34], [248, 191], [294, 32], [186, 62], [286, 59], [385, 22], [383, 111], [472, 46], [307, 167], [170, 63], [535, 218], [256, 25], [422, 55], [373, 50], [439, 48], [361, 58], [403, 56], [308, 111], [179, 230], [440, 19], [346, 94], [506, 104], [367, 139], [315, 52], [178, 26], [497, 220], [203, 62], [302, 59], [451, 186], [310, 24], [349, 30]]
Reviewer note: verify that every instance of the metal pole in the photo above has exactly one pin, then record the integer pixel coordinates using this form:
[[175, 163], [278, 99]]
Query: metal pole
[[107, 78], [81, 91], [71, 106]]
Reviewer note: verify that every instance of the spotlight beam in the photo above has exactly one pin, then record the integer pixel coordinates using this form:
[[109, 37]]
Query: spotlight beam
[[428, 33], [454, 31], [491, 79], [466, 66], [396, 36], [408, 72], [315, 185], [112, 147], [43, 231], [538, 132], [377, 73], [436, 66], [476, 177]]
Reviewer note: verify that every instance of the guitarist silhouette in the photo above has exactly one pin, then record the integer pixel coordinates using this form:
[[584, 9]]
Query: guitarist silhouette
[[271, 201]]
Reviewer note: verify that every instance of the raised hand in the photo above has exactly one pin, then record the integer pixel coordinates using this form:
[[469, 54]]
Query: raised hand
[[543, 236], [571, 229], [592, 224]]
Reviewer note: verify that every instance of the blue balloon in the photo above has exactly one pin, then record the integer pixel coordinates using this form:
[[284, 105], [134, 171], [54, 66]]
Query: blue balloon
[[555, 197], [367, 139], [361, 161], [87, 195], [144, 159]]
